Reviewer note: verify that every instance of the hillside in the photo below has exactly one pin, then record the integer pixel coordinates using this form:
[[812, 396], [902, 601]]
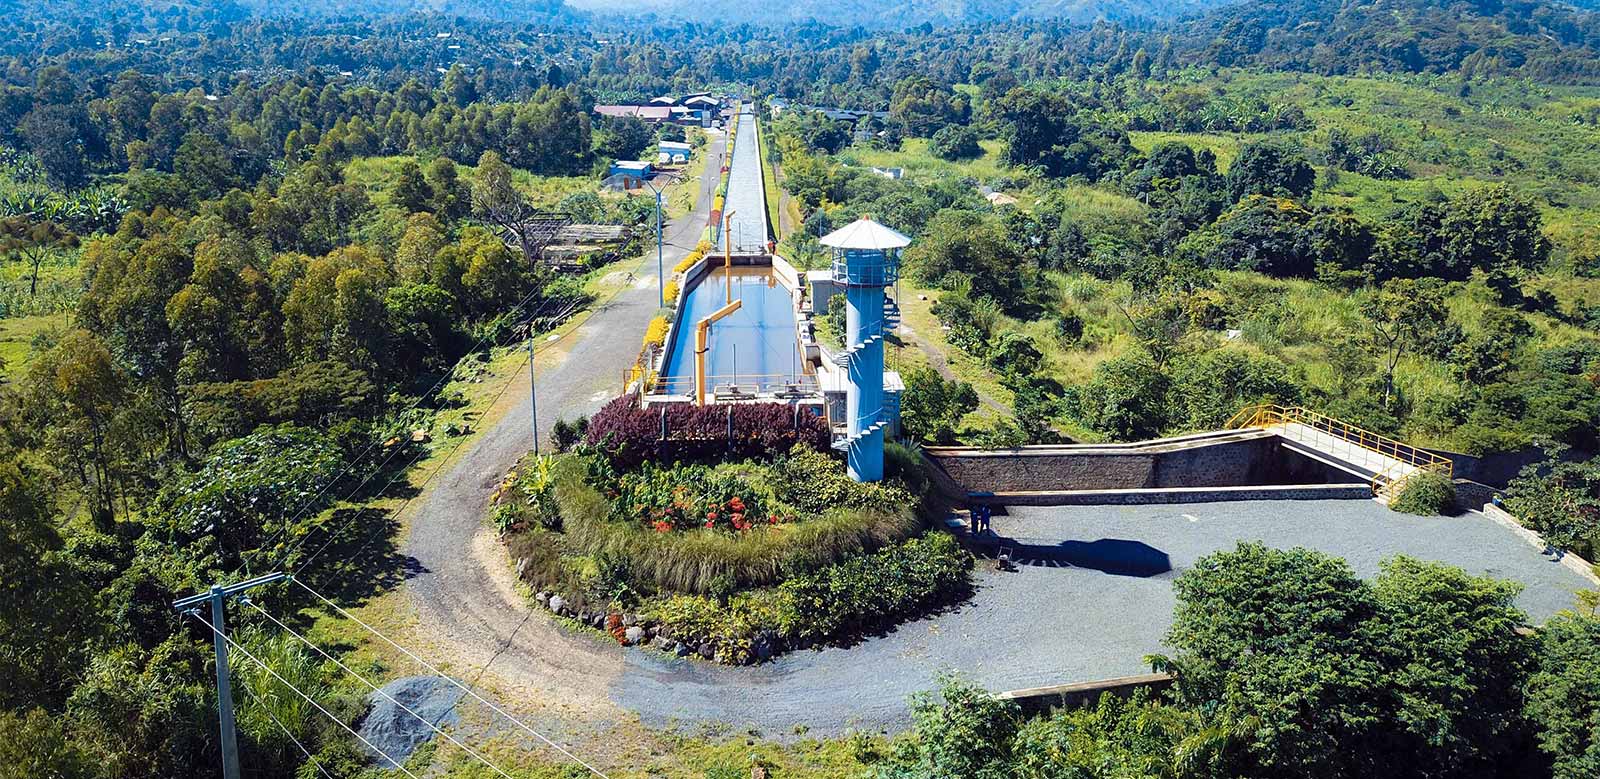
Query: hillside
[[900, 14], [1536, 39]]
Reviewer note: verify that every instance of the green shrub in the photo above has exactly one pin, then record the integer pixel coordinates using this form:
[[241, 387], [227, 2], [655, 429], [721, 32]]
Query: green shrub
[[812, 482], [689, 561], [870, 591], [1425, 494], [730, 627]]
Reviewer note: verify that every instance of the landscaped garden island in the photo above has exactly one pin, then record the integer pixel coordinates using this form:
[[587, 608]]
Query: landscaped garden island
[[730, 532]]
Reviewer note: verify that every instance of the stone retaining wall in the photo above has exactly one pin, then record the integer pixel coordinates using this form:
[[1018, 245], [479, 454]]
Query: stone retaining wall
[[1352, 491], [1568, 560], [1236, 461]]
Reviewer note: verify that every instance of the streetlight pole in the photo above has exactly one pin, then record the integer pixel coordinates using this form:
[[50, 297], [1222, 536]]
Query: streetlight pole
[[623, 182], [533, 392], [661, 273]]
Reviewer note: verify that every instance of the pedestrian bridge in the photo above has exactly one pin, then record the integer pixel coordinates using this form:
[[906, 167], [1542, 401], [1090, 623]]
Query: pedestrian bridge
[[1386, 463]]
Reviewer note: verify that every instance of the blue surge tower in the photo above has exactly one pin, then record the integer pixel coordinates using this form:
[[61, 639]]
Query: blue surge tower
[[865, 261]]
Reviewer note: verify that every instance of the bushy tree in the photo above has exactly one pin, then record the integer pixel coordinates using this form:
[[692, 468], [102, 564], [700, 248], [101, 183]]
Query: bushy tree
[[270, 483], [1564, 695], [1272, 169], [1044, 129], [955, 142], [1315, 673], [1124, 400], [1561, 500], [931, 406], [962, 733], [925, 106]]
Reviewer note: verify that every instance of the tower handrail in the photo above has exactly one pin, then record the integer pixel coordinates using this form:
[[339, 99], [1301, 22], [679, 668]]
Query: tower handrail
[[1273, 415]]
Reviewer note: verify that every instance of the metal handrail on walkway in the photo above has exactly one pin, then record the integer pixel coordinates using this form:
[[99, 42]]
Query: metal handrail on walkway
[[1385, 481], [782, 384]]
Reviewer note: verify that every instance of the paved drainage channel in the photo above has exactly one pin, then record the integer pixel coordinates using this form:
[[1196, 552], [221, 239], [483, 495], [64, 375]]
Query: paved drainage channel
[[1095, 598], [746, 194]]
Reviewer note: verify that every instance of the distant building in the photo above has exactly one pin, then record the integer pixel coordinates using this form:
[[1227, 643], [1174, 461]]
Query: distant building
[[694, 110], [890, 173], [649, 113], [673, 152], [634, 169]]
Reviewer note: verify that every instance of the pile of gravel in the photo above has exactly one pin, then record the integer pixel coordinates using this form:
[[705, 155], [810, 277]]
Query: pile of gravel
[[395, 732]]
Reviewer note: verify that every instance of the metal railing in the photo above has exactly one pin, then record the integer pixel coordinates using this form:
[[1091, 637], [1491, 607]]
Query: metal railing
[[1408, 460], [740, 386]]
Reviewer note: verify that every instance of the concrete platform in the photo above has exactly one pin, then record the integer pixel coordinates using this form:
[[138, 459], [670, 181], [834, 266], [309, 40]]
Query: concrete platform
[[1096, 598]]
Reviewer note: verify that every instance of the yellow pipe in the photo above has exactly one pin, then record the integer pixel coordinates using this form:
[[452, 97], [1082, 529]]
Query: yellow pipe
[[727, 252], [702, 334]]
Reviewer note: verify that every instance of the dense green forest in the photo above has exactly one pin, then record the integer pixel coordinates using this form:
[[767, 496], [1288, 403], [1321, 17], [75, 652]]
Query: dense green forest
[[248, 250]]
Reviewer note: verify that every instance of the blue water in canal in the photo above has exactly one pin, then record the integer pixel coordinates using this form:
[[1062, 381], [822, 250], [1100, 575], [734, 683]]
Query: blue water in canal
[[757, 342]]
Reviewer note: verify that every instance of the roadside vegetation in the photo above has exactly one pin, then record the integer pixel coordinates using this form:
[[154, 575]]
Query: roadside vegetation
[[730, 548], [261, 274]]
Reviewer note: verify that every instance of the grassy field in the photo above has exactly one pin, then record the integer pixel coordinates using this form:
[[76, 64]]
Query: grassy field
[[16, 337], [378, 175], [769, 184], [919, 164]]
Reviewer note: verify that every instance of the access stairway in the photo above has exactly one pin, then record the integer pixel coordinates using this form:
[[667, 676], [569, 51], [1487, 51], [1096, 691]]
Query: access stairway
[[1387, 464], [886, 325], [875, 421]]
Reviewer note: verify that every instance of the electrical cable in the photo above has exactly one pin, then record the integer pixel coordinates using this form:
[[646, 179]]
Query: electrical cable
[[311, 501], [297, 691], [408, 653], [378, 690], [303, 750]]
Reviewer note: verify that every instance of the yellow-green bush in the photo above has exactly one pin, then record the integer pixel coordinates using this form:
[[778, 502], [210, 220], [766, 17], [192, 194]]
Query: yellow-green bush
[[656, 333]]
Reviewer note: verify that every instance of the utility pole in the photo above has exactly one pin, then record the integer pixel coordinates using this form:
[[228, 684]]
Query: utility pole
[[217, 596], [533, 392]]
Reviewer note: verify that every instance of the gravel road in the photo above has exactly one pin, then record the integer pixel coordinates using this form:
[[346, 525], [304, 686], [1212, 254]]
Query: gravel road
[[1097, 600]]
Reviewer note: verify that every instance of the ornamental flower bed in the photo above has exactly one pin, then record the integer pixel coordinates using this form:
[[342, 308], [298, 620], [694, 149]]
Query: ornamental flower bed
[[731, 558], [688, 497]]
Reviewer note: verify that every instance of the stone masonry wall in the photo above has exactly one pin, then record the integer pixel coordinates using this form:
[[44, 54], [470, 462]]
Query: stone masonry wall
[[1252, 462]]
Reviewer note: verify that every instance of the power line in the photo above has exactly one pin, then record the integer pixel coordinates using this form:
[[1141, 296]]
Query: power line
[[265, 709], [311, 501], [408, 653], [399, 474], [376, 689], [307, 698], [403, 472]]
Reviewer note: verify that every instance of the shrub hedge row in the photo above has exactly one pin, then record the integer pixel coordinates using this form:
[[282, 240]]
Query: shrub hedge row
[[864, 593], [835, 603], [628, 435]]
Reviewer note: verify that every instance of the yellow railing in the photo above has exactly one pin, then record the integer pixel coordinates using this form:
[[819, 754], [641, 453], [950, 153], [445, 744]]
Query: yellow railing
[[1385, 481]]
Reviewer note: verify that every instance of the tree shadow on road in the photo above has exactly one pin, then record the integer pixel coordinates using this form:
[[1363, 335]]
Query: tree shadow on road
[[361, 559], [1115, 556]]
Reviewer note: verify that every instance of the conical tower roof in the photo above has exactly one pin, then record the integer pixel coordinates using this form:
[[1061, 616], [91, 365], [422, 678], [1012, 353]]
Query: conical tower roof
[[865, 234]]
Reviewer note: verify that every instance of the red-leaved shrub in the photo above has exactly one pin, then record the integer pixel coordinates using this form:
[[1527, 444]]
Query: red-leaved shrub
[[629, 435]]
